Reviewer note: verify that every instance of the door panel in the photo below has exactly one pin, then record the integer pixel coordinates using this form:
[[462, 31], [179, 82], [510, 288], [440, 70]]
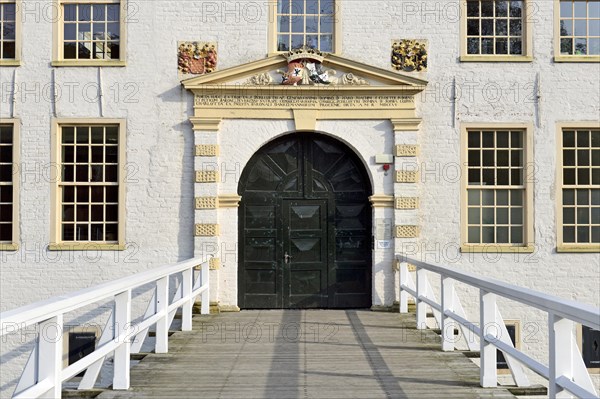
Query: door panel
[[305, 243], [305, 196]]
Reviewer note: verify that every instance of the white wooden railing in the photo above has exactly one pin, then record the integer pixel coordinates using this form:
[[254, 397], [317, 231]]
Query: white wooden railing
[[44, 373], [566, 372]]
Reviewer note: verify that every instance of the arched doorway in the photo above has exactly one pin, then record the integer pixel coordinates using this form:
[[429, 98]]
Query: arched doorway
[[305, 226]]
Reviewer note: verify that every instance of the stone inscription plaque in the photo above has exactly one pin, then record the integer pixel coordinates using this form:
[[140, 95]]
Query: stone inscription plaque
[[287, 102]]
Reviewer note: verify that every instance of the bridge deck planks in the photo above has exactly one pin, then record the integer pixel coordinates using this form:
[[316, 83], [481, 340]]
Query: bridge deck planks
[[306, 354]]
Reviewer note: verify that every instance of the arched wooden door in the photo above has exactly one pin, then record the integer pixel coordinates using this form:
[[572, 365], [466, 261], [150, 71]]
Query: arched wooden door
[[305, 226]]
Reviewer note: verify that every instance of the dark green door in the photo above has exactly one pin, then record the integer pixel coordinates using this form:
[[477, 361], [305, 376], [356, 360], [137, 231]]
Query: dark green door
[[305, 226]]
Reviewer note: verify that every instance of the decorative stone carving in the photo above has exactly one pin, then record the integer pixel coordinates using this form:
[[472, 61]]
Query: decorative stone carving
[[207, 176], [262, 79], [403, 150], [206, 203], [407, 202], [207, 150], [409, 55], [196, 58], [406, 177], [207, 230], [407, 231]]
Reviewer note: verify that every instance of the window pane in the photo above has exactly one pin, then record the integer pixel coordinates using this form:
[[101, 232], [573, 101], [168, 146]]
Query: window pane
[[501, 8], [580, 27], [474, 216], [566, 8], [569, 215], [566, 27], [516, 215], [580, 8], [283, 24], [473, 27], [84, 12], [594, 46], [473, 197], [502, 235], [580, 47], [516, 8], [473, 8], [474, 236], [568, 197], [569, 234], [594, 9], [516, 235]]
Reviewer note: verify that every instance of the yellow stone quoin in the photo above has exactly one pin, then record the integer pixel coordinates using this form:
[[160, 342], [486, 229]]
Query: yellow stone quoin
[[207, 230], [403, 150], [407, 231], [406, 177], [207, 176], [207, 150], [206, 203], [407, 203], [214, 264]]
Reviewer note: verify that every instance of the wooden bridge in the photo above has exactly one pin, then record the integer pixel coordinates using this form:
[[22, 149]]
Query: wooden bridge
[[299, 353], [306, 354]]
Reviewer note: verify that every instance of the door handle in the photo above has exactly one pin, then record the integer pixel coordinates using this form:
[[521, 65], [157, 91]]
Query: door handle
[[286, 258]]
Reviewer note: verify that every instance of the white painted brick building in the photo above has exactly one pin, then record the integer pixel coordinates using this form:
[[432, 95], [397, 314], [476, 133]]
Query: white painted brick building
[[538, 92]]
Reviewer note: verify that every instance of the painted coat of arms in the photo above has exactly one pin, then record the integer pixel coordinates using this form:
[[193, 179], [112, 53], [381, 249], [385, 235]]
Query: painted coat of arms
[[305, 67], [196, 58]]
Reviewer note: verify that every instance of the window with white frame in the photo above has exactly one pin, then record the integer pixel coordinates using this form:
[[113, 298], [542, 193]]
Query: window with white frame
[[495, 28], [308, 23], [580, 202], [90, 33], [8, 30], [7, 185], [89, 191], [579, 27], [496, 187]]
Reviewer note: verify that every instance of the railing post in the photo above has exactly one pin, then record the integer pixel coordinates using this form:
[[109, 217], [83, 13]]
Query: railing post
[[447, 305], [50, 346], [162, 307], [403, 281], [205, 308], [186, 322], [421, 306], [487, 320], [123, 352], [561, 354]]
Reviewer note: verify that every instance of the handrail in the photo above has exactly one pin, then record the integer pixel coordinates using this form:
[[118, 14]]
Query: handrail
[[43, 374], [566, 371], [41, 310], [576, 311]]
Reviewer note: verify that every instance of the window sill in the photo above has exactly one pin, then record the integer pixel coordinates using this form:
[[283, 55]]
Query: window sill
[[578, 248], [86, 246], [10, 62], [497, 248], [88, 63], [496, 58], [9, 247], [577, 58]]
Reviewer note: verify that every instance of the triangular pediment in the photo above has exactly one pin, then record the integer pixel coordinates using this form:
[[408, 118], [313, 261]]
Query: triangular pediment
[[340, 71]]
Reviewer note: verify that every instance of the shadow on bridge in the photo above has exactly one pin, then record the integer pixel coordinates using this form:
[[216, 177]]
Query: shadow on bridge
[[306, 354]]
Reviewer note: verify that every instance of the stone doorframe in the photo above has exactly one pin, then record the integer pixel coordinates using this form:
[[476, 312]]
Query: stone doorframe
[[363, 92]]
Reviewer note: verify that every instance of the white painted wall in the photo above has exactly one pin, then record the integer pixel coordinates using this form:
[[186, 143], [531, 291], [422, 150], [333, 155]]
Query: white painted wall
[[160, 187]]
